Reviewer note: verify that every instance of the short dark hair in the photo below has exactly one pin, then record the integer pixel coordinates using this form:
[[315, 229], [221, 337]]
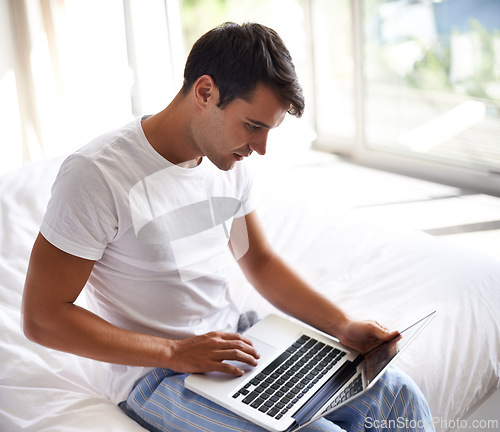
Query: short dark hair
[[238, 58]]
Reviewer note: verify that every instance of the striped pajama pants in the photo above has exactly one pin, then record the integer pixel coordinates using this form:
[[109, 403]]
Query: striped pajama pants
[[160, 402]]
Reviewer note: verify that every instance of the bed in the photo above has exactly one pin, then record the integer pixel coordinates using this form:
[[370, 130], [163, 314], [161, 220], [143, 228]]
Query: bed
[[376, 270]]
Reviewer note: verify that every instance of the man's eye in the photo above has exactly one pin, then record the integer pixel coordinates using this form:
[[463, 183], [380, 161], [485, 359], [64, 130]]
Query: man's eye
[[253, 127]]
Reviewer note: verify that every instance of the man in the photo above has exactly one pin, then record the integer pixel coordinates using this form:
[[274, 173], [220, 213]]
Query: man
[[142, 218]]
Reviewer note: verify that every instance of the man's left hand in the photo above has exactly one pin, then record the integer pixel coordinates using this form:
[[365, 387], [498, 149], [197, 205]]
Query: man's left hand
[[364, 335]]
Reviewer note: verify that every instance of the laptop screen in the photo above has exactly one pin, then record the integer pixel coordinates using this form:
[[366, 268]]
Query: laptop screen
[[379, 357]]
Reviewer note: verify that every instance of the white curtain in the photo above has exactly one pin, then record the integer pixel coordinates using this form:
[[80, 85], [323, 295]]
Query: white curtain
[[29, 20], [70, 69]]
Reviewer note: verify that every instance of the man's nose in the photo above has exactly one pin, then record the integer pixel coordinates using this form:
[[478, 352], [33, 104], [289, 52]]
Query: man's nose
[[259, 144]]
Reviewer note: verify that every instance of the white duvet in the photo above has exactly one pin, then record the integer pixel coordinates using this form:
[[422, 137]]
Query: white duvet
[[372, 270]]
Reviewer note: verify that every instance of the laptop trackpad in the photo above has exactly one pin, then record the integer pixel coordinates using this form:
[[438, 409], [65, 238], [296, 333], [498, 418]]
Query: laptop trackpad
[[265, 350]]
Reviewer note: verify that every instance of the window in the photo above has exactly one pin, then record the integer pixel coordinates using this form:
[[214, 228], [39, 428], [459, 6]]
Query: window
[[426, 87]]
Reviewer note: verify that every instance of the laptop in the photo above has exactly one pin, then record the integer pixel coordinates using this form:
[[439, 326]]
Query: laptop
[[302, 375]]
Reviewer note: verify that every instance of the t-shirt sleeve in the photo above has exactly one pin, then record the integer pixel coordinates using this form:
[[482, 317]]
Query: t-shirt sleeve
[[81, 217]]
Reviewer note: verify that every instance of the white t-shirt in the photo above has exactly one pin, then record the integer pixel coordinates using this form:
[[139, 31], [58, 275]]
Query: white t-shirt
[[158, 233]]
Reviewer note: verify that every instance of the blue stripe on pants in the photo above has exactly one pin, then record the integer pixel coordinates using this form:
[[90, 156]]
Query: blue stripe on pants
[[160, 402]]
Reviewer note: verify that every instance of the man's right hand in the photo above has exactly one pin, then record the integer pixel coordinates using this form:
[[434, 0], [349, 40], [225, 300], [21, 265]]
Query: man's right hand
[[207, 353]]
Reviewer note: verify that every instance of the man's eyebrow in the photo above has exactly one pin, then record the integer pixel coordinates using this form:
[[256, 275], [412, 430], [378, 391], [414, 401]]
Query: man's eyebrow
[[259, 123]]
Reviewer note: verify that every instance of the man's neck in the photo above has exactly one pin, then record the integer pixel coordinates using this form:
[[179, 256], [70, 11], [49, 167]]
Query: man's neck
[[168, 133]]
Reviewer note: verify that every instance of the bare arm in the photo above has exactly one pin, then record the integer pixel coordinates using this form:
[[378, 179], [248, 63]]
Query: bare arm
[[50, 317], [284, 288]]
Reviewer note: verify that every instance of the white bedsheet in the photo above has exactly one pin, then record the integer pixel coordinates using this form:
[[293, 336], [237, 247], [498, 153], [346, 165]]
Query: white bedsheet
[[374, 271]]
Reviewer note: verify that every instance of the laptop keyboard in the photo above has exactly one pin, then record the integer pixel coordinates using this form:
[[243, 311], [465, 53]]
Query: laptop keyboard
[[352, 389], [287, 379]]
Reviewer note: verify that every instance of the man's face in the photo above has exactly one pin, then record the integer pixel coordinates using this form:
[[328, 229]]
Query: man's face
[[228, 135]]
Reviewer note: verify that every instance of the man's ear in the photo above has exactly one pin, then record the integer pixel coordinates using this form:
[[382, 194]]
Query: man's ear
[[205, 91]]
